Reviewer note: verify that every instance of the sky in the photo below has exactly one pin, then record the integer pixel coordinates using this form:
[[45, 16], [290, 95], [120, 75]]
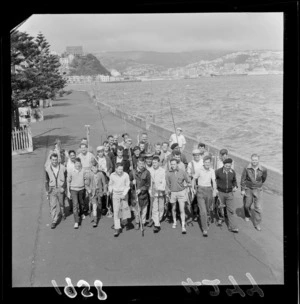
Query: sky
[[159, 32]]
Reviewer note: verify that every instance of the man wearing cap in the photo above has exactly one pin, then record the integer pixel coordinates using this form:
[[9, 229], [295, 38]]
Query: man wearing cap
[[252, 180], [148, 159], [222, 156], [174, 148], [178, 138], [104, 162], [226, 185], [205, 191]]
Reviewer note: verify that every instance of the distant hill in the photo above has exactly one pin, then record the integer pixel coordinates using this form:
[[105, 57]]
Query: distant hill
[[87, 65], [123, 60]]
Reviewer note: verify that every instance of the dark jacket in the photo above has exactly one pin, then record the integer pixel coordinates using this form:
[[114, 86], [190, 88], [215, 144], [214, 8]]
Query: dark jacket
[[248, 179], [225, 182], [126, 165], [143, 183]]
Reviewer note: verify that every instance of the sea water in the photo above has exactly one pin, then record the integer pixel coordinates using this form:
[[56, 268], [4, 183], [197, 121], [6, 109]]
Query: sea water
[[241, 113]]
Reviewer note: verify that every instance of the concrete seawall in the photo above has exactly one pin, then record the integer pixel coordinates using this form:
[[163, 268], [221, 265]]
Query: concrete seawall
[[274, 181]]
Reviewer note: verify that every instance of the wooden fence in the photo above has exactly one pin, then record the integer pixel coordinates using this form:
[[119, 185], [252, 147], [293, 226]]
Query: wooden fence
[[21, 140]]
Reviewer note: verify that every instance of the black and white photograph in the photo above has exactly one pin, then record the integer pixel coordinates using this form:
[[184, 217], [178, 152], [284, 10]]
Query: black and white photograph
[[147, 150]]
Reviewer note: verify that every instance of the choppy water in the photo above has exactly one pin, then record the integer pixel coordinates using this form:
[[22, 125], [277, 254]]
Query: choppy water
[[241, 113]]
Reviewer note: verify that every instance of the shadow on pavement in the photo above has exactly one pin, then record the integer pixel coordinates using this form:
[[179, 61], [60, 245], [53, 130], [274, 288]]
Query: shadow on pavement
[[48, 141], [62, 104], [46, 117]]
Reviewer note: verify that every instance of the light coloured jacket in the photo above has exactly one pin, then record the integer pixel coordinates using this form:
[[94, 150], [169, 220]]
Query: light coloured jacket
[[58, 181]]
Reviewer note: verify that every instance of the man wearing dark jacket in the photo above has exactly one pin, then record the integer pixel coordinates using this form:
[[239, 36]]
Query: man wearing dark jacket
[[226, 185], [175, 148], [253, 177], [121, 159], [143, 182]]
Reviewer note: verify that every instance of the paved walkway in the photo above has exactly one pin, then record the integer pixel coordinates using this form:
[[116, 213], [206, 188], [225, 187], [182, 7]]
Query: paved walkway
[[41, 254]]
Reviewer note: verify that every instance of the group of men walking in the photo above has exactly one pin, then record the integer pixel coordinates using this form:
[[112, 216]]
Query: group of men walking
[[146, 181]]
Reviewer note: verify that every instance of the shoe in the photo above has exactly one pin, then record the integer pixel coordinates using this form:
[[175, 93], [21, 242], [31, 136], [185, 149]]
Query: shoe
[[137, 226], [150, 224], [94, 224], [258, 228], [76, 226], [219, 223], [235, 230], [53, 225], [156, 229], [183, 230], [174, 225], [205, 233], [117, 232], [247, 219], [195, 219], [83, 217]]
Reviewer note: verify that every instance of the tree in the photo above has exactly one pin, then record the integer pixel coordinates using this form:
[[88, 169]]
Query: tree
[[34, 69]]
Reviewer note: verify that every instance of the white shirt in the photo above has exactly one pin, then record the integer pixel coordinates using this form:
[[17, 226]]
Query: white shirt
[[70, 166], [86, 159], [55, 169], [197, 166], [102, 164], [158, 180], [205, 177], [181, 140]]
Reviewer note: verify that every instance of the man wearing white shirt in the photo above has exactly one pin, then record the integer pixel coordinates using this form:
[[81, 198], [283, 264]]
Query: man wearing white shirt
[[86, 157], [178, 138], [70, 167], [205, 191], [157, 192], [192, 169], [119, 186]]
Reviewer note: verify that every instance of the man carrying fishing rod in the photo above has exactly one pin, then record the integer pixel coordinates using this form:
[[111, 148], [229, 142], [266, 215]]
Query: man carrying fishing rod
[[140, 183]]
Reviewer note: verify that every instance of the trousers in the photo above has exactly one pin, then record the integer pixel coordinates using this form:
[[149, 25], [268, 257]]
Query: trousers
[[255, 197], [227, 200], [158, 208], [204, 199], [56, 201], [78, 203]]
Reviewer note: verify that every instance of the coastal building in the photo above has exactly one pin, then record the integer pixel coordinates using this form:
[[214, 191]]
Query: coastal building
[[74, 50]]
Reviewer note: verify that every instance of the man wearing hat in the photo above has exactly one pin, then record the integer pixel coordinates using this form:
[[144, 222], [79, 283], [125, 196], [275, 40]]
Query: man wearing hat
[[226, 185], [178, 138], [174, 148], [223, 155], [148, 159], [104, 162]]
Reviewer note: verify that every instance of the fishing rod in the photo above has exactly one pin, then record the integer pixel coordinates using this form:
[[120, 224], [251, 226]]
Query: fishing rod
[[137, 199], [173, 119]]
